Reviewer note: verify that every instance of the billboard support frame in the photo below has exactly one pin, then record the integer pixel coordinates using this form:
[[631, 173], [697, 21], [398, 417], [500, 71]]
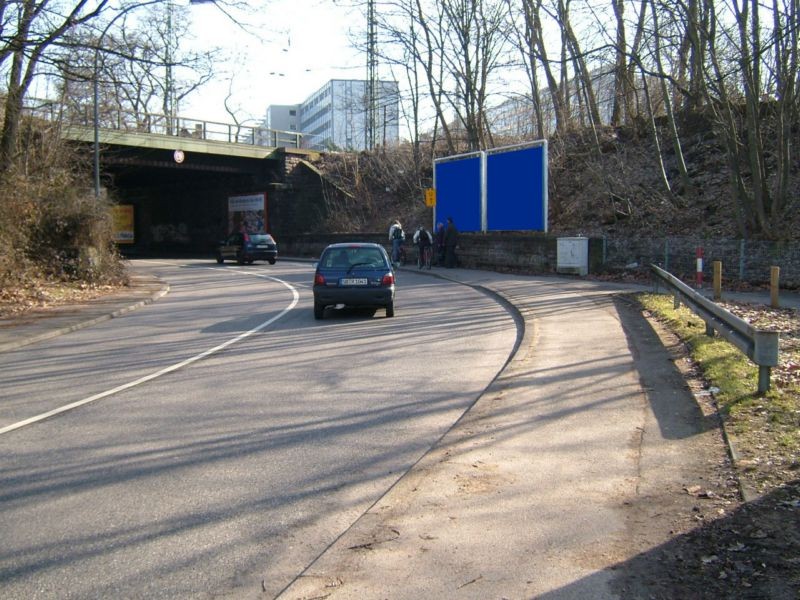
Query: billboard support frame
[[483, 155]]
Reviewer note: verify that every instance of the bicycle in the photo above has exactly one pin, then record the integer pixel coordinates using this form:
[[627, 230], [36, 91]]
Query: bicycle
[[424, 257]]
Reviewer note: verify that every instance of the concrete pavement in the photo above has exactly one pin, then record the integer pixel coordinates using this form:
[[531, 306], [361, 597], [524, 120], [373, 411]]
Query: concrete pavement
[[574, 461]]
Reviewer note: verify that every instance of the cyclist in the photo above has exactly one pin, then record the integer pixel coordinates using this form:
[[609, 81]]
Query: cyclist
[[424, 242]]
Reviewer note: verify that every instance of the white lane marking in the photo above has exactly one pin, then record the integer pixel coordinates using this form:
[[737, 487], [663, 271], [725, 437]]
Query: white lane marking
[[170, 369]]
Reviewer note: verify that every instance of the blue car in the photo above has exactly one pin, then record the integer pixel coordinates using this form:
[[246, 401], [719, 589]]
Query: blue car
[[356, 275]]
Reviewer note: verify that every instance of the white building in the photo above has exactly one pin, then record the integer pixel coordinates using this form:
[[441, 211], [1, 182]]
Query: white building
[[335, 116], [283, 117]]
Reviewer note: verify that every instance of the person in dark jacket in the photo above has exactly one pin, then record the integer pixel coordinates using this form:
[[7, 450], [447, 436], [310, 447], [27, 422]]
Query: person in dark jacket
[[439, 244], [450, 243]]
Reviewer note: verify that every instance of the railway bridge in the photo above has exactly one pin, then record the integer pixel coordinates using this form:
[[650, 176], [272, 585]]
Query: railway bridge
[[176, 176]]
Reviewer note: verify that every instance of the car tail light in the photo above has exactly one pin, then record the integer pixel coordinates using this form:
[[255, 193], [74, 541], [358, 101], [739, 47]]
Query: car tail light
[[388, 279], [246, 238], [319, 279]]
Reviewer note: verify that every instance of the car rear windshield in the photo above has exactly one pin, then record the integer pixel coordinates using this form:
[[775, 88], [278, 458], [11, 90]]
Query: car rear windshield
[[261, 238], [344, 258]]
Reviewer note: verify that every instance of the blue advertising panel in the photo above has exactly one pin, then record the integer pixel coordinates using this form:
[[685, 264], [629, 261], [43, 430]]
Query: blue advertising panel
[[516, 189], [498, 190], [458, 191]]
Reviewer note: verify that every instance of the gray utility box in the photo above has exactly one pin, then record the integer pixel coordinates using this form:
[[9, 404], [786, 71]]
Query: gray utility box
[[573, 255]]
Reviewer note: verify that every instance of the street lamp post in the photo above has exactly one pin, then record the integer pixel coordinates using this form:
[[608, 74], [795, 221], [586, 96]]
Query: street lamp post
[[96, 109]]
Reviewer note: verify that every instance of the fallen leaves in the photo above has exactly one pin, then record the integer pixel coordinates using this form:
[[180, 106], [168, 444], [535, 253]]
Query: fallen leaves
[[39, 294], [786, 321]]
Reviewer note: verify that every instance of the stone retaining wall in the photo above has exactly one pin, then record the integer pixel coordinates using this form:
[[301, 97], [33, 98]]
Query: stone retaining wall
[[535, 253]]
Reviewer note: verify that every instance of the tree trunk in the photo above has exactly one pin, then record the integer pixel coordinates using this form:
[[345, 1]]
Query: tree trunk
[[582, 71], [619, 109], [668, 106]]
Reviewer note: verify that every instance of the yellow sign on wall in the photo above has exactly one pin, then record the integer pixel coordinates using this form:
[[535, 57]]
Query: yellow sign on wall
[[122, 223], [430, 197]]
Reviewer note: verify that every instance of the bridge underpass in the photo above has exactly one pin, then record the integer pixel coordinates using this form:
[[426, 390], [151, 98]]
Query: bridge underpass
[[179, 186]]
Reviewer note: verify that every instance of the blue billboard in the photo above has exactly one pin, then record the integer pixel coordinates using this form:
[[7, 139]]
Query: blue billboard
[[516, 184], [498, 190], [458, 191]]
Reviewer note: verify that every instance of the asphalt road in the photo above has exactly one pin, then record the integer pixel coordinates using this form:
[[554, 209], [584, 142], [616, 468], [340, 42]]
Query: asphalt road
[[221, 439]]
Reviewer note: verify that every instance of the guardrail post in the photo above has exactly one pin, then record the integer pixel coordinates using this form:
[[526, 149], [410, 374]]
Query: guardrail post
[[765, 355], [763, 379]]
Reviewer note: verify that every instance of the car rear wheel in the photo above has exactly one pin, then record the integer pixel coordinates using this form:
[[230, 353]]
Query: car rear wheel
[[272, 261], [319, 310], [390, 309], [220, 260]]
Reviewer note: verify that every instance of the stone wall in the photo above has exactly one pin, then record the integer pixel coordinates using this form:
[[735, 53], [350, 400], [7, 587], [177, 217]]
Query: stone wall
[[535, 253]]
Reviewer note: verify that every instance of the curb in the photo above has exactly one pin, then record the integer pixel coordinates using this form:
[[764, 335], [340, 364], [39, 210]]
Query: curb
[[747, 493]]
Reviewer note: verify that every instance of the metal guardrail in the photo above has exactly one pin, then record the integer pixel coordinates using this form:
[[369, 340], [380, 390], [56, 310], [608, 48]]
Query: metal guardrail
[[760, 346]]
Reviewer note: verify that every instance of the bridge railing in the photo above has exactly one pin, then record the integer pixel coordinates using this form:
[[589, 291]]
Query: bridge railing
[[159, 124]]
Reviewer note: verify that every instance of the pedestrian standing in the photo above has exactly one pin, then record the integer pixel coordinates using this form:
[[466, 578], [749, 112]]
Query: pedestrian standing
[[450, 243], [440, 244]]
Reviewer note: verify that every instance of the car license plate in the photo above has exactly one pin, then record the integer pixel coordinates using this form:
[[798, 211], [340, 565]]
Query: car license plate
[[353, 281], [262, 246]]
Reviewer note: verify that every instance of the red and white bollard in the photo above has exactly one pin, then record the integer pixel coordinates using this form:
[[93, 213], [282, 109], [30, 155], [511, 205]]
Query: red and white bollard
[[699, 267]]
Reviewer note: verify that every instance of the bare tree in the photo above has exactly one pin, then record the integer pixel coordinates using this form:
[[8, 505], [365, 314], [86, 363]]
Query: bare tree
[[750, 83], [476, 40], [127, 63], [30, 28], [664, 78], [583, 74], [527, 37], [402, 52]]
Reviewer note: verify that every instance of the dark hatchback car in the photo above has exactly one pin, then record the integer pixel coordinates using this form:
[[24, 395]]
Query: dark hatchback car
[[354, 275], [248, 247]]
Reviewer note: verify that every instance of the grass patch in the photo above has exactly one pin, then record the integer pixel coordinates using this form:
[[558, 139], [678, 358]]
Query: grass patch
[[766, 427], [721, 363]]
